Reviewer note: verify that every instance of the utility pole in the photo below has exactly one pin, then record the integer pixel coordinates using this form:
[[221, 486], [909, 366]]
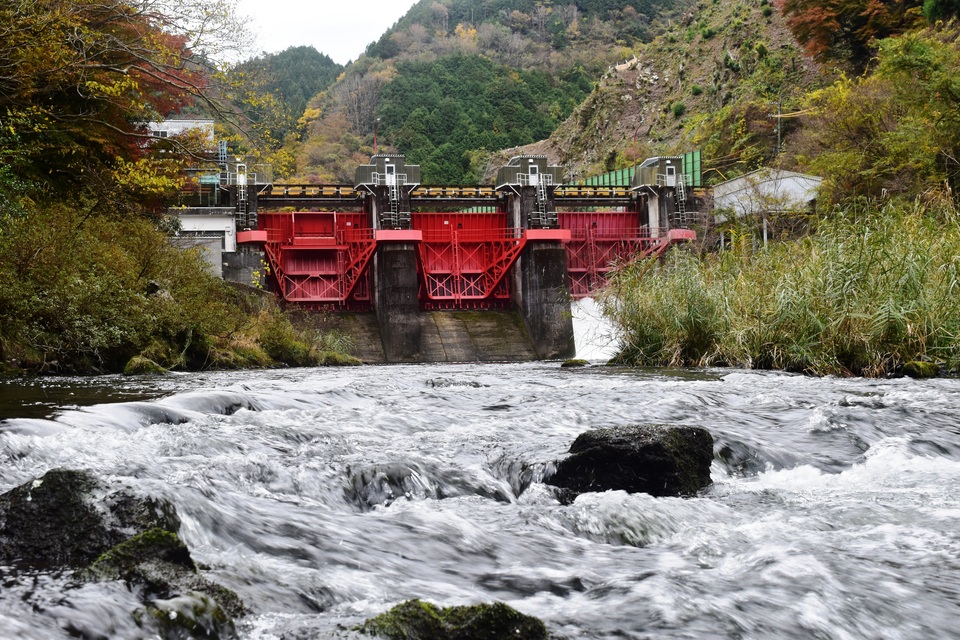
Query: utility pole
[[779, 118]]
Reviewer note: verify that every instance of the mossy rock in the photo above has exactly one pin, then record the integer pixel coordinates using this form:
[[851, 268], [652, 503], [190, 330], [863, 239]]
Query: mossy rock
[[574, 362], [921, 370], [158, 564], [419, 620], [163, 353], [139, 365], [238, 357], [155, 545], [194, 615]]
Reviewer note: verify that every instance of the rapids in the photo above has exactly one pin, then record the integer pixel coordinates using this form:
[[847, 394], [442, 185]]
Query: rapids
[[325, 496]]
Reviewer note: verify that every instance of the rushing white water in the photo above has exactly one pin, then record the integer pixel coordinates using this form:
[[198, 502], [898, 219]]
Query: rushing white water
[[323, 497], [597, 339]]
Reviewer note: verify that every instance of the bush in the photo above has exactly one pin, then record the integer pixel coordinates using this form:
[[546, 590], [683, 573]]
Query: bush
[[679, 109], [282, 343], [88, 294]]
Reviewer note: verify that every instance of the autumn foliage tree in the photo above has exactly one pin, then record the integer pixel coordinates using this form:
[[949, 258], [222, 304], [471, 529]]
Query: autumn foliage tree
[[846, 30], [82, 182], [79, 80]]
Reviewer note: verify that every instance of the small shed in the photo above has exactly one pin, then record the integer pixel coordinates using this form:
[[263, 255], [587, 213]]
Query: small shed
[[527, 170], [388, 169], [766, 191]]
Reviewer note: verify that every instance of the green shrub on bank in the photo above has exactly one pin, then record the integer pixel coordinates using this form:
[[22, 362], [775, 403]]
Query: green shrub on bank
[[871, 291], [92, 293]]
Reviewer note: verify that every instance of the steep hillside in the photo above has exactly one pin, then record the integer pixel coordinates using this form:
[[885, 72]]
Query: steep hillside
[[715, 80]]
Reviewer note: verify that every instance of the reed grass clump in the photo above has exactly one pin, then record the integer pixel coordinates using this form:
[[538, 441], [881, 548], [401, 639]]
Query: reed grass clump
[[871, 290]]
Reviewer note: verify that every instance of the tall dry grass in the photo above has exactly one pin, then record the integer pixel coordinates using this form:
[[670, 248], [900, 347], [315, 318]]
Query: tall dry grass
[[872, 289]]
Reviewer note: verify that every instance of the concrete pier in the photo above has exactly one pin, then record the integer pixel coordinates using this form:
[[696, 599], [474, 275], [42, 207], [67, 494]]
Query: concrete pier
[[396, 301], [542, 296]]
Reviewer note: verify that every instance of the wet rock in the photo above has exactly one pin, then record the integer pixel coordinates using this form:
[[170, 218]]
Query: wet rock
[[67, 519], [194, 616], [442, 383], [139, 365], [744, 459], [418, 620], [158, 565], [382, 484], [70, 519], [662, 460], [574, 362], [921, 370]]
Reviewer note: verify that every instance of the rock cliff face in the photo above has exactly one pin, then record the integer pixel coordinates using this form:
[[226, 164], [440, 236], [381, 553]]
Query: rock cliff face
[[661, 460]]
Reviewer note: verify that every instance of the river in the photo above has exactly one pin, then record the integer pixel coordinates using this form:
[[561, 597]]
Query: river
[[834, 512]]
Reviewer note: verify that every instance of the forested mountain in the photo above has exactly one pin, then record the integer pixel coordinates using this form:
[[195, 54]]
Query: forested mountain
[[294, 75], [273, 89], [455, 81], [523, 30], [444, 114]]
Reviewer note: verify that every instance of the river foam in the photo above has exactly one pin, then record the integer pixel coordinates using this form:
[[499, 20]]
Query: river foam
[[325, 496]]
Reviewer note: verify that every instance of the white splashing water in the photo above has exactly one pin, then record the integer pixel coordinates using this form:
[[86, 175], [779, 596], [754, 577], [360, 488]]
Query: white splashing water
[[596, 337], [322, 497]]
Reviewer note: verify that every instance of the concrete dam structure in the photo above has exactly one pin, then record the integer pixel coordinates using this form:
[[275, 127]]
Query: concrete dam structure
[[418, 273]]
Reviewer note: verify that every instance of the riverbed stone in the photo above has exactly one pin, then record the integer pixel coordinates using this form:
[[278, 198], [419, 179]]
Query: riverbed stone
[[419, 620], [921, 370], [140, 365], [157, 564], [661, 460], [68, 518]]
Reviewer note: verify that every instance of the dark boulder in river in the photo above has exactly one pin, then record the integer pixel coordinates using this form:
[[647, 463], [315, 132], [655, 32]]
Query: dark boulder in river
[[73, 520], [662, 460], [67, 519], [179, 601]]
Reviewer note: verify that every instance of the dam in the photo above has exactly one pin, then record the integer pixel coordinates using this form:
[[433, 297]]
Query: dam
[[424, 273]]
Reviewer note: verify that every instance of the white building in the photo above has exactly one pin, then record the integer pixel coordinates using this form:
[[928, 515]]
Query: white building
[[176, 126], [766, 191], [211, 228]]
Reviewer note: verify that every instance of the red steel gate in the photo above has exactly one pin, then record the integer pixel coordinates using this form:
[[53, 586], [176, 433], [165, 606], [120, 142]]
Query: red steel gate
[[320, 258], [464, 257], [602, 240]]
